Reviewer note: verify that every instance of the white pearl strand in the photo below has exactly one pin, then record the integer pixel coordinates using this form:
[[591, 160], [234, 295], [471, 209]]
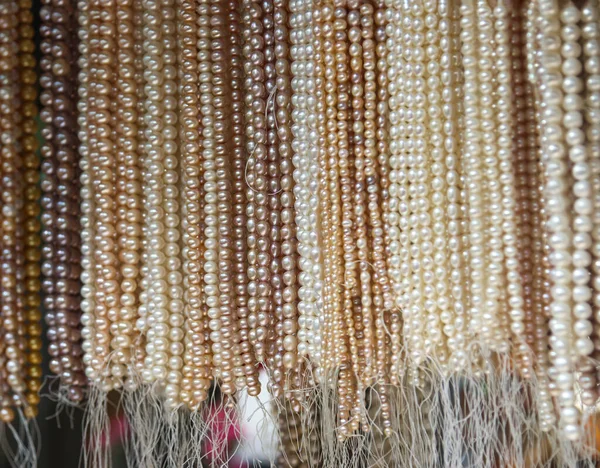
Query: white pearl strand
[[305, 161], [391, 64], [591, 50], [420, 193], [558, 224], [505, 133], [420, 343], [88, 267], [582, 193]]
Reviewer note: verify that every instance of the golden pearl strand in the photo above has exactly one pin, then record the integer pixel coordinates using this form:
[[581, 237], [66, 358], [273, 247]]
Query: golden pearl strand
[[31, 210], [195, 372], [12, 359]]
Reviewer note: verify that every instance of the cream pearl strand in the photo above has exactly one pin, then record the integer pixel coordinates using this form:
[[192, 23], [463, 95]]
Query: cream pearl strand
[[102, 164], [473, 169], [540, 286], [453, 327], [382, 20], [155, 363], [558, 224], [435, 26], [492, 330], [590, 33], [129, 216]]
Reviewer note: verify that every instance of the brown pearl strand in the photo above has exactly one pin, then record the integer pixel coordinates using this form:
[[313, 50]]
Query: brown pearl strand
[[61, 249], [31, 209], [249, 372], [225, 335], [13, 385]]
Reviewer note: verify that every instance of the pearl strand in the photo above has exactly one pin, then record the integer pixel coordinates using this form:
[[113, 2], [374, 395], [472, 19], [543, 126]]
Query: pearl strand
[[169, 329], [368, 373], [381, 289], [590, 32], [419, 234], [225, 336], [198, 364], [102, 162], [248, 359], [195, 366], [258, 245], [61, 199], [289, 252], [129, 188], [395, 211], [540, 259], [329, 189], [13, 358], [559, 239], [395, 327], [523, 212], [449, 48], [572, 86], [275, 333], [472, 169], [505, 136], [31, 209], [88, 266], [304, 145], [493, 330], [433, 47], [154, 311]]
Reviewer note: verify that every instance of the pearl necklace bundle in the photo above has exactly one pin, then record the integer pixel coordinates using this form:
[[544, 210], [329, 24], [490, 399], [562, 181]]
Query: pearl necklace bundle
[[391, 207]]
